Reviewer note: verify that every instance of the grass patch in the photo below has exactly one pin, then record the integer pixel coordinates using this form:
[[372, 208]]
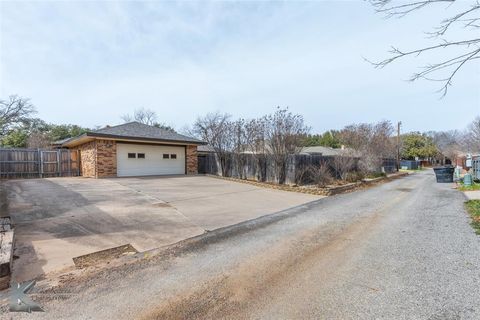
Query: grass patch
[[473, 187], [473, 208], [412, 170], [373, 175]]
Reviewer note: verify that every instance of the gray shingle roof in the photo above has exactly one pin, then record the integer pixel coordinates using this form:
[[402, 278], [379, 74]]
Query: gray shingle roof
[[325, 151], [136, 130], [205, 148], [59, 142]]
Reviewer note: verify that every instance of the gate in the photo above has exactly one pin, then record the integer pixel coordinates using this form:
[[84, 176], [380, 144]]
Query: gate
[[476, 168]]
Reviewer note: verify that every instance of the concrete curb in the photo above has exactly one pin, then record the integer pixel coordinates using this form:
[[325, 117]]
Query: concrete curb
[[222, 233], [197, 242], [6, 252], [190, 244], [260, 222], [211, 237]]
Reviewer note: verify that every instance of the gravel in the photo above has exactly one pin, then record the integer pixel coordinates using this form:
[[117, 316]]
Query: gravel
[[400, 250]]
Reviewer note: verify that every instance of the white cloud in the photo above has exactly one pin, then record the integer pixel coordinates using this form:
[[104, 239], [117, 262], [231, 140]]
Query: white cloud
[[90, 62]]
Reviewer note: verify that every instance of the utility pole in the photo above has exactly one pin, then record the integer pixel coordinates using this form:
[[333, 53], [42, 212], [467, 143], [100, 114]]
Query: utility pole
[[398, 144]]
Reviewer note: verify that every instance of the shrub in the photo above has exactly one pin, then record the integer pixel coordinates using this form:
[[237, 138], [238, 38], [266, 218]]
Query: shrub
[[373, 175], [314, 174], [321, 175], [354, 176]]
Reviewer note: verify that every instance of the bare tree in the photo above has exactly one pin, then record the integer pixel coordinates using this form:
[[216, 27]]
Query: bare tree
[[454, 143], [448, 143], [343, 165], [13, 112], [472, 137], [142, 115], [188, 130], [255, 140], [38, 139], [371, 143], [215, 129], [240, 146], [146, 116], [284, 133], [468, 50]]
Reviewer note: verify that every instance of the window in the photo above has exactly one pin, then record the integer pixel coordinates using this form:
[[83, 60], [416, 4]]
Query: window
[[173, 156], [141, 155], [166, 156], [131, 156]]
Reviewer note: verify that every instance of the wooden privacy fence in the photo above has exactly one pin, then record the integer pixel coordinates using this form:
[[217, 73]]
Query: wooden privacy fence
[[38, 163], [265, 172]]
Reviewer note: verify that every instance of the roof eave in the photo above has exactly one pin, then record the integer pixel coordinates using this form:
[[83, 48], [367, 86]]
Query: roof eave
[[89, 136], [75, 141]]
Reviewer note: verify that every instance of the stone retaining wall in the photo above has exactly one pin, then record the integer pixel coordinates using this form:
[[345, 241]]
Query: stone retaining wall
[[6, 252]]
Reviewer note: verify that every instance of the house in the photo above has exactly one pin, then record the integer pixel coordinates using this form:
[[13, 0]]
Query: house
[[326, 151], [58, 144], [134, 149], [464, 160], [205, 149]]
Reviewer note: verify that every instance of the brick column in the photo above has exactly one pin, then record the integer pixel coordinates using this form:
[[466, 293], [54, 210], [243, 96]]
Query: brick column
[[106, 159], [192, 160], [88, 159]]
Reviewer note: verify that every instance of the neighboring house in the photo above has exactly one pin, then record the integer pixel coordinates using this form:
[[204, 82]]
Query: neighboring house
[[461, 158], [325, 151], [58, 144], [134, 149], [205, 149], [315, 150]]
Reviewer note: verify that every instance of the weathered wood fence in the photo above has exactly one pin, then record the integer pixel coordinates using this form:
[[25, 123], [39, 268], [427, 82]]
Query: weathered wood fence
[[265, 170], [295, 169], [38, 163]]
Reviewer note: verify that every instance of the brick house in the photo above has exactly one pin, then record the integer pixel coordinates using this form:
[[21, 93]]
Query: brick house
[[134, 149]]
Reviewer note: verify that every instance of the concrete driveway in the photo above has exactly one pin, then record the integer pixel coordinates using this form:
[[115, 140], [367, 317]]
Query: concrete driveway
[[400, 250], [58, 219]]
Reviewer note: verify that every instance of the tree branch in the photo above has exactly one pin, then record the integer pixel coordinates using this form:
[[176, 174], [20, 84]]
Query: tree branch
[[403, 9], [456, 62]]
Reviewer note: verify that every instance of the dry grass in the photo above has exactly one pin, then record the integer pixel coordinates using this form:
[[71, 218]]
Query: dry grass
[[473, 208]]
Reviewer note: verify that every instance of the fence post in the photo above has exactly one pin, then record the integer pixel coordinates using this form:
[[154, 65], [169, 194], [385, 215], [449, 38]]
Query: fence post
[[40, 164], [78, 163], [69, 163], [59, 169]]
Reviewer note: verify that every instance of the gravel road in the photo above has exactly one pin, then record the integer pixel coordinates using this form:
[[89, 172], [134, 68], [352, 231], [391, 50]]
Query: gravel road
[[400, 250]]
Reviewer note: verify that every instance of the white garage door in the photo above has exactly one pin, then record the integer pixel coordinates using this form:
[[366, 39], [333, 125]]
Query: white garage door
[[148, 160]]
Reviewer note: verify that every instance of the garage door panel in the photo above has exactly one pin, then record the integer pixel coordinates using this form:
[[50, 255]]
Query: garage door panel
[[154, 161]]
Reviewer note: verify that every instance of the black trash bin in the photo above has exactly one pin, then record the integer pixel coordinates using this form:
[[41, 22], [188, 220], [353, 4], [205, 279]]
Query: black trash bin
[[444, 174]]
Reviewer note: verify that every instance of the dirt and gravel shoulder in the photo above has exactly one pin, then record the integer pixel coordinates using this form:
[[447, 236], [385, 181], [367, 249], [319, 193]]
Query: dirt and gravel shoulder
[[399, 250]]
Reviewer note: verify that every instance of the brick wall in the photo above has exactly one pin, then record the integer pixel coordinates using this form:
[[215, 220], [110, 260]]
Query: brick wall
[[99, 159], [192, 160], [106, 158], [88, 159]]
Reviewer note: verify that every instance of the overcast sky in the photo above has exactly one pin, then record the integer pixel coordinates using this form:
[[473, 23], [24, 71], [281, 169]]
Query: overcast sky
[[88, 63]]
